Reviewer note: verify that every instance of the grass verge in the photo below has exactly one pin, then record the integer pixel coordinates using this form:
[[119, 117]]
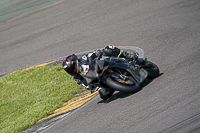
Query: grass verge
[[29, 95]]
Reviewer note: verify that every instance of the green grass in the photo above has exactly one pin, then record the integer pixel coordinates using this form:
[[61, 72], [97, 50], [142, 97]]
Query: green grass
[[29, 95]]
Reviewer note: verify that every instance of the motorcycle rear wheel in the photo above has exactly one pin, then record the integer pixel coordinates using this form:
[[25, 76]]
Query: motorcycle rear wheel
[[116, 85]]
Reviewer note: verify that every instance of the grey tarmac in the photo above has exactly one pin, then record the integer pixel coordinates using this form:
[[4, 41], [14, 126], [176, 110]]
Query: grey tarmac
[[166, 30]]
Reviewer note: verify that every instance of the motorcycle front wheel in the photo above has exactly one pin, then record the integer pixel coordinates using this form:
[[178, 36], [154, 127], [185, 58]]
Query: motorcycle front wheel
[[129, 85], [152, 70]]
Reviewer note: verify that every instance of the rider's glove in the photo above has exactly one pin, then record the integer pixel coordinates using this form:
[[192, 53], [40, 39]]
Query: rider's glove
[[135, 56]]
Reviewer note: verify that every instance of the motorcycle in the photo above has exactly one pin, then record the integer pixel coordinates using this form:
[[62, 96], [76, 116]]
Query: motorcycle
[[119, 74]]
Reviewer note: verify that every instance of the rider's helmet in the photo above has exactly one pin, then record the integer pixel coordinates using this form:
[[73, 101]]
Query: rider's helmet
[[69, 64], [108, 50]]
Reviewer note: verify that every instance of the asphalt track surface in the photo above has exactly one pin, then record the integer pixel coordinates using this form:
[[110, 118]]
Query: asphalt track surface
[[167, 30]]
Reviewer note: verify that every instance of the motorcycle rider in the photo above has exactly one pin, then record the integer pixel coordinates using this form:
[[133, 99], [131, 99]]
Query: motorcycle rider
[[71, 61]]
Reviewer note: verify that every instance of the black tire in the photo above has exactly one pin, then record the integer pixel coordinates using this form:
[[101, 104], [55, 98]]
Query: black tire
[[152, 69], [122, 87]]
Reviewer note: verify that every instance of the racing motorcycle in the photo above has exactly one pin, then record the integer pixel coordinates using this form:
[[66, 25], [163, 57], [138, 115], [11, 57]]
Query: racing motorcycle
[[119, 74]]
